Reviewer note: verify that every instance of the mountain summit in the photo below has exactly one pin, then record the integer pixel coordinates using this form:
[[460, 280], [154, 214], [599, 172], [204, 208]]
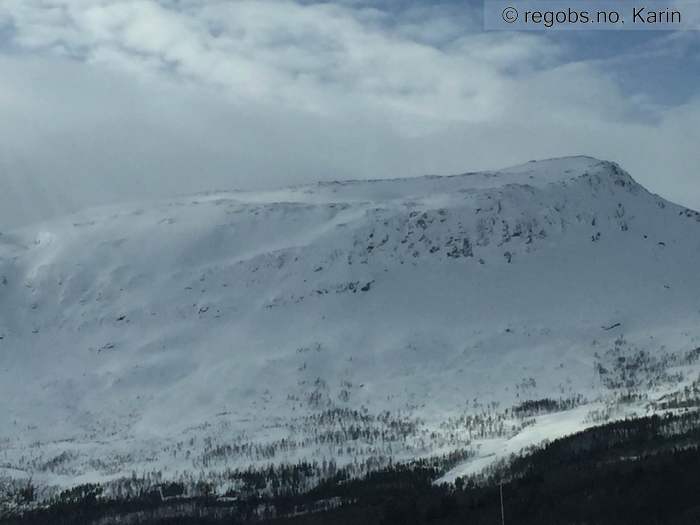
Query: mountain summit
[[356, 322]]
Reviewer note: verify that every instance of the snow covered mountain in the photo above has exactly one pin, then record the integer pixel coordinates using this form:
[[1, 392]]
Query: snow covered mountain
[[351, 321]]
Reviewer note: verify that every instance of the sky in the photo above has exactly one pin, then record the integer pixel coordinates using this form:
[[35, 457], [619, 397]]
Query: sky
[[103, 101]]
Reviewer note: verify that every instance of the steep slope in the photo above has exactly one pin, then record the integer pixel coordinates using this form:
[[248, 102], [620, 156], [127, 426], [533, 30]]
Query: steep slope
[[353, 320]]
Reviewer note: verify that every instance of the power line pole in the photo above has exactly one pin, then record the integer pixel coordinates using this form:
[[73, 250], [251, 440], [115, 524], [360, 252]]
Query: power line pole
[[503, 516]]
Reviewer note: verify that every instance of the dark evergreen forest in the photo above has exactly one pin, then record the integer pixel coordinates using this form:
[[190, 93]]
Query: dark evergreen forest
[[641, 471]]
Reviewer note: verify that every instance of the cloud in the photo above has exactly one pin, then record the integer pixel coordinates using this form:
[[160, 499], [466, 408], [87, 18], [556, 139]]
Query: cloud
[[106, 100], [323, 58]]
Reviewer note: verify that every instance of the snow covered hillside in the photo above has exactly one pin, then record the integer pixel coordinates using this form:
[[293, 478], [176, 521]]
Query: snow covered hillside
[[351, 321]]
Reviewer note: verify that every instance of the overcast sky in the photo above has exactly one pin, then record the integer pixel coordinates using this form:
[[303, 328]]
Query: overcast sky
[[113, 100]]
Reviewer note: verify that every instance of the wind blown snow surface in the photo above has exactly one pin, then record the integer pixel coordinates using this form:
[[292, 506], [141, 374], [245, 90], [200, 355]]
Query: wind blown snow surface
[[352, 321]]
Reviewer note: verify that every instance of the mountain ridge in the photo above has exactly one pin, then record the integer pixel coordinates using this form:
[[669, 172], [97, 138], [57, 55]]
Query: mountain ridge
[[188, 336], [297, 192]]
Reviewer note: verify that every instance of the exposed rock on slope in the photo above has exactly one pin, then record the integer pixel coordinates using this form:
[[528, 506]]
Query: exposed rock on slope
[[351, 320]]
